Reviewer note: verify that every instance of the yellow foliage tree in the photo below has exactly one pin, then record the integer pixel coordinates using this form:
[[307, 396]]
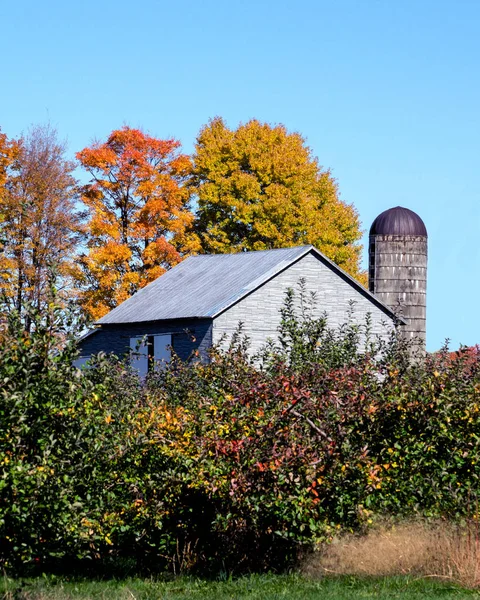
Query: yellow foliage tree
[[138, 216], [259, 187]]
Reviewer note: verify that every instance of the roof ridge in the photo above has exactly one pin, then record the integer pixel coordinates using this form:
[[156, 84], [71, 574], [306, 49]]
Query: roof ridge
[[242, 252]]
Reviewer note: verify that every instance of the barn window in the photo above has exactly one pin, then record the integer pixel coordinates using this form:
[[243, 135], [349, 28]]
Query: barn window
[[80, 361], [149, 351]]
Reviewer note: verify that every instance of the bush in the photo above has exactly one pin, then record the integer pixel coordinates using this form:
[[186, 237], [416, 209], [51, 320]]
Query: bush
[[240, 464], [56, 439]]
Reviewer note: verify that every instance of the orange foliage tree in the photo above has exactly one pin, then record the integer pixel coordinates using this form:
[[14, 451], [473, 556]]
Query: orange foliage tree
[[139, 217], [8, 153], [39, 224]]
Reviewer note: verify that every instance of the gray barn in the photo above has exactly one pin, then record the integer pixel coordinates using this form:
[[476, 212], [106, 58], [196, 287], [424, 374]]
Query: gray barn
[[196, 303]]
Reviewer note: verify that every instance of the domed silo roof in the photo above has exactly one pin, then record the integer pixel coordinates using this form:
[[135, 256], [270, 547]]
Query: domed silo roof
[[398, 221]]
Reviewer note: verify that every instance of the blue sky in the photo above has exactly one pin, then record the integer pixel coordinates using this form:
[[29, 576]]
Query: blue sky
[[386, 93]]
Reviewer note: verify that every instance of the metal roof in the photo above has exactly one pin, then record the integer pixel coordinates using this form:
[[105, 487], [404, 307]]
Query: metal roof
[[206, 285], [398, 221]]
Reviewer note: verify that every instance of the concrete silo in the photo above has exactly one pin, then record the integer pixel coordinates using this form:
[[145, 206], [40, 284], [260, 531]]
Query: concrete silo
[[398, 268]]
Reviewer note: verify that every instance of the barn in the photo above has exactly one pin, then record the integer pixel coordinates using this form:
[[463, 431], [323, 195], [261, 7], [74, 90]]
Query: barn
[[201, 301]]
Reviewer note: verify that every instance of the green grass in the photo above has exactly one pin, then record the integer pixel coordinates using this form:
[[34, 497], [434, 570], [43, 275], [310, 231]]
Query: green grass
[[252, 588]]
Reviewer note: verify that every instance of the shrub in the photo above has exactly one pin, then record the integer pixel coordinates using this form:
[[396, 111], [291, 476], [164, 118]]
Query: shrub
[[239, 464], [56, 440]]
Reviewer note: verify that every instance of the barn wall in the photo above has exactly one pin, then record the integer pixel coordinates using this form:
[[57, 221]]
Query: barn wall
[[260, 311], [187, 336]]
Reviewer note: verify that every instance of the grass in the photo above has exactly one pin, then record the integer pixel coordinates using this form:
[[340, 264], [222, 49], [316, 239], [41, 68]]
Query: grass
[[436, 550], [407, 560], [260, 587]]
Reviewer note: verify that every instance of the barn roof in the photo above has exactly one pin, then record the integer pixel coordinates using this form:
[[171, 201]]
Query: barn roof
[[206, 285]]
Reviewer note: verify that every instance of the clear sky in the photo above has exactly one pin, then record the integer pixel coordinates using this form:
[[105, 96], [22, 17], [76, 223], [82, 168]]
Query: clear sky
[[386, 93]]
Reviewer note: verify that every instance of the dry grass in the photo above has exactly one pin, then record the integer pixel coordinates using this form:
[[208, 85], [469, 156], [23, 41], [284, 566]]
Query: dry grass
[[428, 550], [461, 552]]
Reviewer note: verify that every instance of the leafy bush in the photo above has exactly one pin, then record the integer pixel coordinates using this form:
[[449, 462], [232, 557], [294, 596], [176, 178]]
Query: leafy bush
[[239, 464], [55, 441]]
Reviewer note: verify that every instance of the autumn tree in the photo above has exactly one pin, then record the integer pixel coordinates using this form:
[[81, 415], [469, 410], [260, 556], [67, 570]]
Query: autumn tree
[[8, 153], [9, 150], [139, 216], [39, 223], [259, 187]]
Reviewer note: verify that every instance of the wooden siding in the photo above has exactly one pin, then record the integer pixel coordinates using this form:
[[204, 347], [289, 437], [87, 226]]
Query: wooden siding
[[187, 337], [260, 311]]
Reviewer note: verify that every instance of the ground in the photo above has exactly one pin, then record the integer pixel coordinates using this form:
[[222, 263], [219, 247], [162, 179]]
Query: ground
[[292, 587]]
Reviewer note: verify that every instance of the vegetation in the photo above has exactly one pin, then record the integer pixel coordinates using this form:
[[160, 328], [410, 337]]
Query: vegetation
[[138, 215], [259, 187], [424, 548], [265, 587], [40, 226], [234, 466], [8, 152], [245, 464], [146, 206]]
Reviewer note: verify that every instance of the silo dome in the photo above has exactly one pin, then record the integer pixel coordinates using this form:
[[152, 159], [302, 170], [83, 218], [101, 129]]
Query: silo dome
[[398, 221]]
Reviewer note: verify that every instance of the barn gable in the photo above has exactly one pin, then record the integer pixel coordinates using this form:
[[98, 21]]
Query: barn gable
[[335, 291]]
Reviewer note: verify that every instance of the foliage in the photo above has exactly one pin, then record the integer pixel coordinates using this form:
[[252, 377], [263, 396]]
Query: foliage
[[259, 187], [239, 464], [42, 451], [255, 188], [9, 150], [39, 226], [138, 215]]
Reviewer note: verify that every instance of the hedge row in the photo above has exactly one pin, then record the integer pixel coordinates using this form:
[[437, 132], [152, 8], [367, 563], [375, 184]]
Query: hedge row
[[238, 464]]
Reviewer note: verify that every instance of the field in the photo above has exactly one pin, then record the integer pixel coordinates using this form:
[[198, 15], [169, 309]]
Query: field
[[256, 587]]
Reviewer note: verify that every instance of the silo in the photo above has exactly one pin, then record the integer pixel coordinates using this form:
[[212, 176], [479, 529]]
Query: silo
[[398, 268]]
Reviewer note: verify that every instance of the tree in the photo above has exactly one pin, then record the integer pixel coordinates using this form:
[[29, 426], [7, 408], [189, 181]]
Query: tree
[[40, 226], [9, 150], [258, 187], [138, 215]]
